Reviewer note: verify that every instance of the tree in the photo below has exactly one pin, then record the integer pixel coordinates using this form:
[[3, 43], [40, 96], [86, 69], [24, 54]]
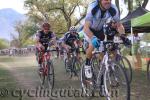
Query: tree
[[144, 4], [4, 44], [133, 4], [25, 31], [117, 4], [60, 13]]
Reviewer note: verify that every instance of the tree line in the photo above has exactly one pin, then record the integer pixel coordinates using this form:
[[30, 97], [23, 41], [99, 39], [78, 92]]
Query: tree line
[[61, 14]]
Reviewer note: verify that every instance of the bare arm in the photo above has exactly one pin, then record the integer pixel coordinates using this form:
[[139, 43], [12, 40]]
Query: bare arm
[[120, 28], [37, 39], [87, 29]]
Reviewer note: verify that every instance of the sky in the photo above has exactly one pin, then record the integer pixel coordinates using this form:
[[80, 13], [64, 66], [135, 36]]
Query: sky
[[18, 5]]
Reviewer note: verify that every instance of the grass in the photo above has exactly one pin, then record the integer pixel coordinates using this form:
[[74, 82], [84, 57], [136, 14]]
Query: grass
[[8, 86], [7, 83]]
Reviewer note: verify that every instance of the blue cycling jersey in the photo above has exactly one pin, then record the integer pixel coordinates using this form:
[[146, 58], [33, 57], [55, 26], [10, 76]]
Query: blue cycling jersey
[[97, 20]]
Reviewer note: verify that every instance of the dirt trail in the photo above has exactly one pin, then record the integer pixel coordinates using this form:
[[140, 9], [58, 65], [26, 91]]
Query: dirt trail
[[24, 70]]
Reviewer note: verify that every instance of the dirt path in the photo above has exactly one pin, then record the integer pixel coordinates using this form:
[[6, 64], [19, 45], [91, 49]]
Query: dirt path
[[24, 70]]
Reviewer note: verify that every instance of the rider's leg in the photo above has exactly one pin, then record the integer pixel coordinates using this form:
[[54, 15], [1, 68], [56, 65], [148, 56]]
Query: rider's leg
[[89, 54], [78, 53], [38, 58], [88, 71]]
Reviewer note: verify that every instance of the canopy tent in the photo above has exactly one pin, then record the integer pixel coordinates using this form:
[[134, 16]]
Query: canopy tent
[[142, 21], [134, 14]]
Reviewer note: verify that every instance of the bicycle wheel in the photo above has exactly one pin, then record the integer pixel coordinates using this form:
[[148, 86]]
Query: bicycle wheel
[[88, 86], [116, 83], [127, 66], [42, 75], [67, 65], [148, 70], [76, 66], [51, 75]]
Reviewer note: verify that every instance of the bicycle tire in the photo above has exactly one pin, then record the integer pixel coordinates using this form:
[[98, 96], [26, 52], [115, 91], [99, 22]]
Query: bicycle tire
[[127, 68], [51, 75], [67, 69], [41, 75], [76, 66], [88, 91], [116, 76]]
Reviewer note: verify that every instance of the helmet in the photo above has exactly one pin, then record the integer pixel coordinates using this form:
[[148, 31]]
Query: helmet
[[46, 25], [72, 29]]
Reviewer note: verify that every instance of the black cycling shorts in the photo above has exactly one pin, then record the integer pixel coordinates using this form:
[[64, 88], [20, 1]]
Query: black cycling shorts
[[100, 35]]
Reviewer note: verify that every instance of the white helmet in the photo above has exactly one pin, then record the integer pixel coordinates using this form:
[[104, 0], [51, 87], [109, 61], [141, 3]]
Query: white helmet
[[72, 29]]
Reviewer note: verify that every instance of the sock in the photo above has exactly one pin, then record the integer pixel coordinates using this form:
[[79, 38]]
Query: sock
[[87, 62]]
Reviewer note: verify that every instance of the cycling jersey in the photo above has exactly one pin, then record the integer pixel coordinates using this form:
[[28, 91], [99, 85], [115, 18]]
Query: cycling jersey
[[97, 17], [44, 39], [70, 38]]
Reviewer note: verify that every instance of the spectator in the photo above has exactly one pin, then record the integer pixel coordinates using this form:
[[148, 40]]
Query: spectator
[[135, 52]]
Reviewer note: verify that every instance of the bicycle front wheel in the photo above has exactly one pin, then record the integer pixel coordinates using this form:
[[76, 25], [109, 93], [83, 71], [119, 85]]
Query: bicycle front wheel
[[88, 86], [116, 83], [42, 74], [51, 75], [76, 67], [127, 67]]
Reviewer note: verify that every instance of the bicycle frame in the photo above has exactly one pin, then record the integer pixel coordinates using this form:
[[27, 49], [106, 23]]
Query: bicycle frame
[[45, 57], [105, 68]]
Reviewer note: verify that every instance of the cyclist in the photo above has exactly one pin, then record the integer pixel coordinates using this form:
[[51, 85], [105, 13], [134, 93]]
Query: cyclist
[[70, 40], [97, 14], [43, 37]]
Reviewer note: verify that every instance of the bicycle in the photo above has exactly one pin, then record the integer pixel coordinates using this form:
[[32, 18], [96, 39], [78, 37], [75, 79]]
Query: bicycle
[[110, 72], [72, 64], [95, 61], [123, 60], [47, 75]]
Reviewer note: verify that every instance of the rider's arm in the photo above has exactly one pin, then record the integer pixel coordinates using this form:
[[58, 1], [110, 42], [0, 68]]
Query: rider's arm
[[87, 29], [116, 18], [88, 21], [65, 37]]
